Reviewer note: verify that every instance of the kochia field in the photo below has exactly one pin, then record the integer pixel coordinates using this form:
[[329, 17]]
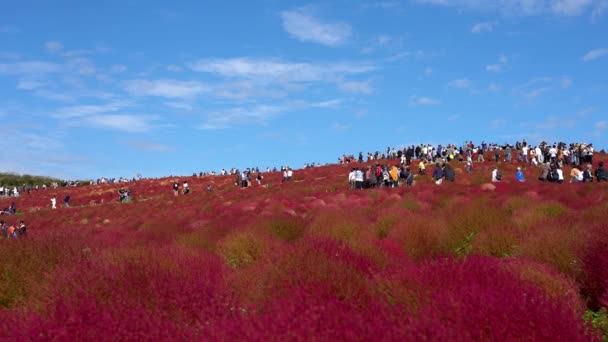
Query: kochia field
[[311, 259]]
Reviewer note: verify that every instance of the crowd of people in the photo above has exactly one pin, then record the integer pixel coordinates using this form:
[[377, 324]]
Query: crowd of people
[[12, 231], [550, 158]]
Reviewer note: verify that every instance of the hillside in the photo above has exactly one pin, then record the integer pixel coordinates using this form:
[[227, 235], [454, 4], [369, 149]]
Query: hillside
[[310, 257]]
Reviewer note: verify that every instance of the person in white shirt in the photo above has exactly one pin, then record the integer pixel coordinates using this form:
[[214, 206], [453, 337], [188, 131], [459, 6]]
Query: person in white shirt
[[524, 152], [496, 175], [53, 203], [351, 178], [289, 173], [539, 155], [358, 179], [560, 175]]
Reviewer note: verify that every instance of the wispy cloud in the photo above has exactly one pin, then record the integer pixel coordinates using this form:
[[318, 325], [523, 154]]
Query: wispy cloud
[[301, 24], [354, 87], [534, 93], [89, 110], [145, 145], [165, 88], [258, 114], [595, 54], [122, 122], [174, 68], [598, 11], [493, 87], [484, 27], [265, 70], [34, 68], [461, 83], [494, 67], [519, 7], [29, 84], [423, 101]]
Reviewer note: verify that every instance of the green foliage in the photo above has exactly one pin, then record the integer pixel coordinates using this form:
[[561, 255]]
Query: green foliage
[[551, 210], [288, 229], [465, 247], [598, 320]]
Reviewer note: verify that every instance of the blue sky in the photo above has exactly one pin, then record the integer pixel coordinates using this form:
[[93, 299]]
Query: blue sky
[[117, 88]]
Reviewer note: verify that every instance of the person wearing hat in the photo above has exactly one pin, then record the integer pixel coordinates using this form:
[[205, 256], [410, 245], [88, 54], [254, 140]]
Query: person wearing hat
[[519, 175]]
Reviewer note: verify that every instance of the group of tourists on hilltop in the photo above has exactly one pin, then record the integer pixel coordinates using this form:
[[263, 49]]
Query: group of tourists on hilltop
[[549, 158], [12, 231], [379, 176]]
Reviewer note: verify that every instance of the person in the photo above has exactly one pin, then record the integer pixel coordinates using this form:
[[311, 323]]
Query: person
[[438, 174], [449, 173], [358, 179], [394, 176], [469, 164], [3, 229], [11, 232], [560, 174], [22, 229], [409, 177], [576, 175], [421, 168], [289, 173], [53, 202], [175, 188], [587, 174], [496, 175], [544, 174], [185, 188], [259, 178], [66, 201], [519, 175], [600, 173]]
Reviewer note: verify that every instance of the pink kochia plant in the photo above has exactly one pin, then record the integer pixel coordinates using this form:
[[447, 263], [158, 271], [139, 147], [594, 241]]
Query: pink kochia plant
[[309, 259]]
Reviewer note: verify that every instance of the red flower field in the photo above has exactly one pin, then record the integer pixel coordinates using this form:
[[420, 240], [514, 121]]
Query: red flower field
[[311, 258]]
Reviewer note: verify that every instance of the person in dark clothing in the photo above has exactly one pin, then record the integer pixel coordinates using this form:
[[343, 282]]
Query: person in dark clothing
[[600, 173], [437, 174], [587, 174], [66, 201], [449, 173], [22, 229]]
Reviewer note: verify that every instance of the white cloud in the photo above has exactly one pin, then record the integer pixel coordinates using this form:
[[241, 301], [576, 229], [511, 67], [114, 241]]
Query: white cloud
[[29, 84], [423, 101], [264, 70], [174, 68], [34, 68], [493, 87], [53, 46], [461, 83], [601, 125], [519, 7], [503, 59], [599, 10], [340, 127], [534, 93], [565, 82], [144, 145], [355, 87], [118, 68], [165, 88], [227, 118], [494, 67], [90, 110], [484, 27], [122, 122], [328, 104], [595, 54], [570, 7], [302, 25], [428, 71]]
